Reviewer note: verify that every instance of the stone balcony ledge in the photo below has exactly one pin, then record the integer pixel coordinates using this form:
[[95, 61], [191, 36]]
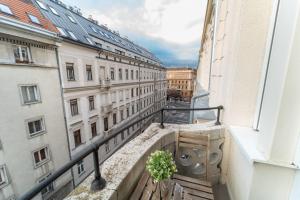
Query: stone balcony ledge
[[124, 168]]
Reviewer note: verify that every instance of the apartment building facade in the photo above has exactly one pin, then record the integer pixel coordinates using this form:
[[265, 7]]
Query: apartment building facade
[[249, 63], [182, 79], [32, 126], [107, 81]]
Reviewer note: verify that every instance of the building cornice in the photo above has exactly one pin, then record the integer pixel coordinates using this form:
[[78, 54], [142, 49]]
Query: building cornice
[[30, 29]]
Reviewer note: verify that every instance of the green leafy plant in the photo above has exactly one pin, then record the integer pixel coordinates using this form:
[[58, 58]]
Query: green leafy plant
[[161, 165]]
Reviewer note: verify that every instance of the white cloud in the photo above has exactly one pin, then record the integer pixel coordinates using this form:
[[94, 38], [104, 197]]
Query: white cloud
[[176, 21]]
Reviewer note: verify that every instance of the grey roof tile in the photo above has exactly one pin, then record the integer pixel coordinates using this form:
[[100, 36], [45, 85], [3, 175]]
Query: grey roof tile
[[84, 28]]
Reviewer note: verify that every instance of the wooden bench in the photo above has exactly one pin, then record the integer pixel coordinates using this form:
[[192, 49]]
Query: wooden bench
[[180, 187]]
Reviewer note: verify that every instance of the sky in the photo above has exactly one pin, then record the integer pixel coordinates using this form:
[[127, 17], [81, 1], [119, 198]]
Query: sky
[[171, 29]]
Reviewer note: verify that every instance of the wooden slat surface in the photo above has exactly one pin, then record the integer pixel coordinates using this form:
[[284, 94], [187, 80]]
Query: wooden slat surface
[[193, 141], [140, 187], [192, 180], [195, 136], [179, 188], [194, 186], [178, 193]]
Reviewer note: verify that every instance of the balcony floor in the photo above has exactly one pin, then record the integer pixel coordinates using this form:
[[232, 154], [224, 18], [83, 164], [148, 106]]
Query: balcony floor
[[220, 192]]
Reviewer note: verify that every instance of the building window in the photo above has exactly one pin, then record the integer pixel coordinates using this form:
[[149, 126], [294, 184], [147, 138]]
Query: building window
[[121, 115], [131, 74], [5, 9], [114, 118], [122, 135], [137, 75], [62, 31], [42, 5], [89, 75], [77, 138], [89, 40], [126, 74], [72, 35], [74, 107], [115, 141], [80, 167], [120, 74], [132, 92], [41, 156], [112, 73], [30, 94], [127, 111], [34, 19], [70, 71], [132, 109], [94, 129], [35, 127], [53, 11], [91, 103], [21, 53], [49, 188], [3, 175], [94, 29], [71, 19], [121, 95], [137, 91], [105, 122], [107, 147]]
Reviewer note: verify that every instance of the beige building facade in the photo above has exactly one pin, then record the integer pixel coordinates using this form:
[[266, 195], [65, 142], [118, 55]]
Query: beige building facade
[[249, 64], [182, 79]]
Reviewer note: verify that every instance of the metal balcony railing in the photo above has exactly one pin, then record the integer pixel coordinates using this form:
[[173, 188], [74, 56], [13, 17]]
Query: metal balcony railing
[[98, 182]]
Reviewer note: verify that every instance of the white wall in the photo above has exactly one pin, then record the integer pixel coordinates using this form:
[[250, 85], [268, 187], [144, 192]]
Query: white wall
[[16, 143]]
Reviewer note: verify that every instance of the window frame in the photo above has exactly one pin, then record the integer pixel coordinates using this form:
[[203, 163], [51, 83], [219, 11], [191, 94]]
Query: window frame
[[50, 187], [70, 103], [80, 167], [76, 132], [38, 133], [36, 92], [34, 19], [112, 74], [92, 125], [44, 161], [21, 59], [7, 7], [62, 31], [89, 72], [91, 102], [41, 5], [73, 36], [71, 18], [3, 176], [53, 10], [68, 65]]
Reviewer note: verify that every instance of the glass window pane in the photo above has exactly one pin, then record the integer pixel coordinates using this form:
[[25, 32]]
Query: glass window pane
[[5, 9]]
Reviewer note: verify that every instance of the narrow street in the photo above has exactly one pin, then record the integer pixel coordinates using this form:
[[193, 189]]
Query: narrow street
[[178, 117]]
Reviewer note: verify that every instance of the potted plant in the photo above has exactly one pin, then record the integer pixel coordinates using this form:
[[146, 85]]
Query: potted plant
[[161, 167]]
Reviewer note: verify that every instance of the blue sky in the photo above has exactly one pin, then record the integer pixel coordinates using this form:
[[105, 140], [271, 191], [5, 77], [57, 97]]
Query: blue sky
[[171, 29]]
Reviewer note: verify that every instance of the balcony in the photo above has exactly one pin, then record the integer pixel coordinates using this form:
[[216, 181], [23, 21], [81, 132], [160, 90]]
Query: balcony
[[106, 108], [196, 149], [124, 169], [104, 83]]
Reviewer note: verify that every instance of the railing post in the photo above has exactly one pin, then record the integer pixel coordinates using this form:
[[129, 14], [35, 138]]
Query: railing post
[[162, 118], [218, 116], [98, 183]]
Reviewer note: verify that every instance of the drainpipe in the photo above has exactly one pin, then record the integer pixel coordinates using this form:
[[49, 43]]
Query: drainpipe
[[212, 55], [64, 110], [193, 105]]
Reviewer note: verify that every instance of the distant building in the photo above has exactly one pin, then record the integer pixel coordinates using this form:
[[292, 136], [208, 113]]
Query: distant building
[[182, 79], [32, 127]]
